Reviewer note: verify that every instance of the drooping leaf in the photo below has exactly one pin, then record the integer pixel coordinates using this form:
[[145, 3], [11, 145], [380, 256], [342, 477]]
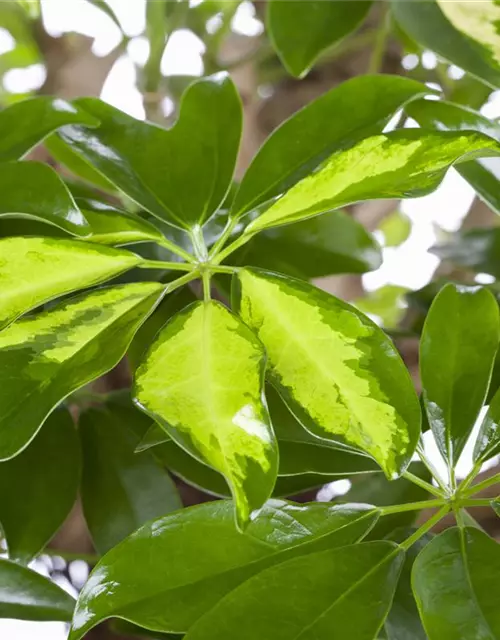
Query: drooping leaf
[[159, 168], [26, 595], [45, 357], [405, 163], [114, 227], [335, 594], [25, 124], [300, 31], [488, 440], [34, 190], [476, 249], [202, 381], [39, 487], [457, 351], [403, 621], [428, 23], [36, 270], [121, 490], [336, 370], [321, 246], [362, 107], [170, 572], [482, 175], [454, 582]]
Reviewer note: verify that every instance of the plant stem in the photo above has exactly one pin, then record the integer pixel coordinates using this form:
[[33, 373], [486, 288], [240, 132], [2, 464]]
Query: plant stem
[[223, 269], [160, 264], [207, 293], [239, 242], [479, 502], [476, 488], [377, 56], [431, 468], [199, 246], [470, 478], [175, 284], [228, 229], [427, 526], [174, 248], [411, 506], [435, 491]]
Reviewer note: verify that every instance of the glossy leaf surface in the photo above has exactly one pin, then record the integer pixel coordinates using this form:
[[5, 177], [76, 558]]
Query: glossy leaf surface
[[157, 168], [40, 487], [488, 439], [482, 175], [362, 106], [34, 190], [406, 163], [25, 124], [454, 581], [170, 572], [210, 399], [335, 594], [336, 370], [300, 31], [26, 595], [428, 24], [36, 270], [45, 357], [121, 490], [321, 246], [457, 352]]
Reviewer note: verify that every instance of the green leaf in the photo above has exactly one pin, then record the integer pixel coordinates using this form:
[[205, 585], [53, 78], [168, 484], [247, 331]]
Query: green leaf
[[158, 168], [209, 399], [488, 440], [47, 268], [482, 175], [24, 124], [112, 226], [476, 249], [300, 31], [362, 107], [41, 485], [495, 504], [335, 594], [403, 621], [170, 572], [387, 303], [457, 352], [34, 190], [336, 370], [47, 356], [322, 246], [429, 24], [120, 490], [26, 595], [455, 584], [405, 163], [378, 490], [396, 227]]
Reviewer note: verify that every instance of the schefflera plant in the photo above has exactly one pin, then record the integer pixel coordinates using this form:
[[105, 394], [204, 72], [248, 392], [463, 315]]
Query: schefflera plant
[[202, 377]]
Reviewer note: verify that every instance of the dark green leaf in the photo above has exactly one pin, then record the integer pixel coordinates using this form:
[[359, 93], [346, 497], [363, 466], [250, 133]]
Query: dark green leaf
[[457, 351], [488, 439], [170, 572], [26, 595], [25, 124], [34, 190], [209, 400], [121, 490], [181, 175], [429, 24], [45, 357], [322, 246], [335, 594], [40, 487], [455, 584], [482, 175], [404, 163], [362, 107], [336, 370], [476, 249], [36, 270], [301, 30]]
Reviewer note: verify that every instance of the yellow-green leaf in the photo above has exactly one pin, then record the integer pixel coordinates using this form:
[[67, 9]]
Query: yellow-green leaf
[[202, 381], [45, 357], [337, 371], [406, 163], [36, 270]]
